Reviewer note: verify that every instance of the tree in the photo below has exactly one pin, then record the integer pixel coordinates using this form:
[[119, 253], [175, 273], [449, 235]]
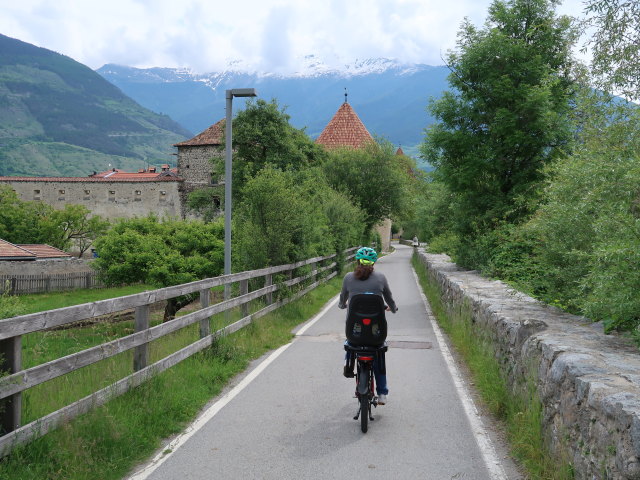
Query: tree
[[277, 222], [589, 225], [373, 178], [74, 225], [263, 136], [616, 45], [35, 222], [506, 117], [159, 253], [21, 222]]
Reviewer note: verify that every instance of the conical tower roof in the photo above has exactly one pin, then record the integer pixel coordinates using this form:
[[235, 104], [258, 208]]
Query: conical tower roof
[[344, 130], [211, 136]]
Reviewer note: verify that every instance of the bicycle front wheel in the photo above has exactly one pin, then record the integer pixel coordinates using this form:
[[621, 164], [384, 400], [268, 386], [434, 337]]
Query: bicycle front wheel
[[364, 413]]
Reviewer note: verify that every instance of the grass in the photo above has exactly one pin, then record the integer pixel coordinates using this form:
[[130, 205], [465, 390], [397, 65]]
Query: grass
[[40, 302], [519, 409], [109, 441]]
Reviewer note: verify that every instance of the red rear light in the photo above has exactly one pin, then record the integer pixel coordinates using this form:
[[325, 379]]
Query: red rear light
[[366, 359], [366, 321]]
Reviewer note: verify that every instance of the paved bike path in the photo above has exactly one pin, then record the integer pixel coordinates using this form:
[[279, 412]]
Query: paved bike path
[[295, 419]]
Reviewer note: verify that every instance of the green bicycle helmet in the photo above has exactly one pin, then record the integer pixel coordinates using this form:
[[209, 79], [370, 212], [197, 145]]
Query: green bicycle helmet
[[366, 256]]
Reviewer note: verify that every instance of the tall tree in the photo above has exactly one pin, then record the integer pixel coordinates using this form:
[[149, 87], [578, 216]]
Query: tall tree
[[262, 135], [507, 114], [373, 178], [616, 45]]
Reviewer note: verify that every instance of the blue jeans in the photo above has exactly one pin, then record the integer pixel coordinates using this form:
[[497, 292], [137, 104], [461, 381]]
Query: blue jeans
[[381, 378]]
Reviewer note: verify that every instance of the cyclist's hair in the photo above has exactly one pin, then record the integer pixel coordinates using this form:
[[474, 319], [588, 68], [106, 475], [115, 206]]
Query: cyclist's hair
[[362, 272]]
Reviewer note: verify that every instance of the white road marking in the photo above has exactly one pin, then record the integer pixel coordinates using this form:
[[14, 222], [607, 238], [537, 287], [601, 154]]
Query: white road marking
[[208, 414], [480, 433]]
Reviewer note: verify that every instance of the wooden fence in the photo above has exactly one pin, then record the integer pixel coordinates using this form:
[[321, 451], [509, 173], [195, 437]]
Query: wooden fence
[[24, 284], [318, 270]]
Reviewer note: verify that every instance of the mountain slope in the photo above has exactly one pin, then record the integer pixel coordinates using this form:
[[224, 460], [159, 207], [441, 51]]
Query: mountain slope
[[390, 99], [59, 117]]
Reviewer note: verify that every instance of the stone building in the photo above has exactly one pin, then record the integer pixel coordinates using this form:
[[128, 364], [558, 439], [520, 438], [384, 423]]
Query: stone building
[[117, 194], [346, 129], [111, 194], [194, 162]]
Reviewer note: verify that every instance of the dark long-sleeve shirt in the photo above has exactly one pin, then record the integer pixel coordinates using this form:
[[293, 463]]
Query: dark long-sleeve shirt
[[376, 284]]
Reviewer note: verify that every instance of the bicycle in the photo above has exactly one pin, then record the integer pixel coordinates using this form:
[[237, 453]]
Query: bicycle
[[365, 382], [366, 331]]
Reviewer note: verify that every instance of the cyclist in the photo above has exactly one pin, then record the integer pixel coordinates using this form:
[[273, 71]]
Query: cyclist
[[365, 280]]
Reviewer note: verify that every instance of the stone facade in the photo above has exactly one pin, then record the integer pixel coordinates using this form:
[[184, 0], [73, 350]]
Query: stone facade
[[384, 230], [44, 267], [588, 382], [195, 168], [194, 164], [109, 199]]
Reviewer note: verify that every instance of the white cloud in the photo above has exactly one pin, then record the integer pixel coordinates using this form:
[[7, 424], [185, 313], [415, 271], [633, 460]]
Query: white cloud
[[268, 34]]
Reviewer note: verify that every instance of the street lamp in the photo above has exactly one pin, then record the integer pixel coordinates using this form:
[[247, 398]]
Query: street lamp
[[234, 92]]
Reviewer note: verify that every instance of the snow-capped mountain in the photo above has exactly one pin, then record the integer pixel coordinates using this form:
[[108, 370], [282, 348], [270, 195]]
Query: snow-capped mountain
[[390, 97]]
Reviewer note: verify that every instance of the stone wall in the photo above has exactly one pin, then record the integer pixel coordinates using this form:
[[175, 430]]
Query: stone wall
[[110, 200], [194, 163], [588, 382], [43, 267], [384, 229], [195, 167]]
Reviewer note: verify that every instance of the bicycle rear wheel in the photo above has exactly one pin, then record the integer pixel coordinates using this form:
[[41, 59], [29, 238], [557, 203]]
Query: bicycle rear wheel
[[364, 413]]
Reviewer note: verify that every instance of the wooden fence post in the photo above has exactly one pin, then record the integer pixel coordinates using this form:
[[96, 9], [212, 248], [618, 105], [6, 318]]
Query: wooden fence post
[[11, 362], [244, 289], [141, 352], [268, 281], [205, 298]]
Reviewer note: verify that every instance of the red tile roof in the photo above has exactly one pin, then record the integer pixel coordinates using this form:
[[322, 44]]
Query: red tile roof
[[9, 251], [399, 151], [344, 130], [213, 135], [44, 251]]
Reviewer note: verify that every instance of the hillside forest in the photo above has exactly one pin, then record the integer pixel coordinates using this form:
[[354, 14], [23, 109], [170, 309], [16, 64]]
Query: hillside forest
[[536, 174]]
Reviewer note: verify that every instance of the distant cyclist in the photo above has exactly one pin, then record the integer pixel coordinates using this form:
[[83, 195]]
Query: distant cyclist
[[365, 280]]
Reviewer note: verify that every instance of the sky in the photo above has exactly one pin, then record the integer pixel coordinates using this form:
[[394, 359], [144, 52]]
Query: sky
[[265, 35]]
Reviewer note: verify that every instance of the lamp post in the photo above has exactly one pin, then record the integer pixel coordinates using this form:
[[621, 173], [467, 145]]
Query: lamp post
[[234, 92]]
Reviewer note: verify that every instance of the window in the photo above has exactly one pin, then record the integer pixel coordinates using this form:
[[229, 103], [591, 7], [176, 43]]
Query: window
[[163, 193], [61, 192], [138, 194], [87, 192], [112, 192], [36, 194]]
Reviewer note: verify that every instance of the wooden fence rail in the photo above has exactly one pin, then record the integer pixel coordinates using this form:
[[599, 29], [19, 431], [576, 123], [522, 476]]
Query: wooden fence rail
[[25, 284], [319, 270]]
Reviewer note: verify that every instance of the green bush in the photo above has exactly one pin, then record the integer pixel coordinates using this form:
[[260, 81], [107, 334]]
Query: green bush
[[589, 226], [10, 305]]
